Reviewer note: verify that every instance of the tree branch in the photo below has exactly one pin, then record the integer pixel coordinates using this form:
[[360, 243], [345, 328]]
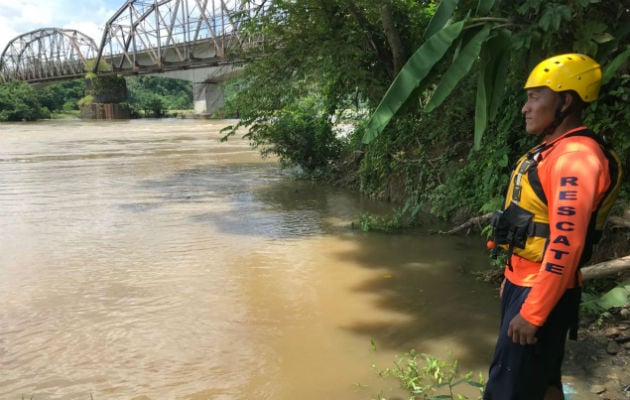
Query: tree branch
[[606, 268], [476, 221], [619, 222], [393, 38], [364, 24], [615, 222]]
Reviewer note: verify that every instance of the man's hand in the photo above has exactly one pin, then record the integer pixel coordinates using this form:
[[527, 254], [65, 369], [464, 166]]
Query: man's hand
[[522, 331]]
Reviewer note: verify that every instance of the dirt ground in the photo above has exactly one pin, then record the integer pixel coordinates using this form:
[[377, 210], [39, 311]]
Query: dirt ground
[[599, 361], [597, 365]]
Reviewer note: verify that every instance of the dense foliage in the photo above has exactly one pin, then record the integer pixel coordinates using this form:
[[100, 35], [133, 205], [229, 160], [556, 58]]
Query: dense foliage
[[20, 102], [337, 58], [329, 64], [154, 95], [61, 96], [328, 56], [147, 96]]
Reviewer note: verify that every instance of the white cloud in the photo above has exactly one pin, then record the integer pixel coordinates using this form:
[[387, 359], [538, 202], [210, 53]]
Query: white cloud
[[86, 16], [95, 31]]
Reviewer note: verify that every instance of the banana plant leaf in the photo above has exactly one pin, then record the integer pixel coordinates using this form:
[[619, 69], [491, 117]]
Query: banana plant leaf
[[499, 54], [442, 14], [613, 66], [481, 111], [616, 297], [409, 77], [493, 71], [484, 7], [458, 69]]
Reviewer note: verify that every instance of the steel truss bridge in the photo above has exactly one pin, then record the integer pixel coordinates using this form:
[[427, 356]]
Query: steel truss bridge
[[142, 37]]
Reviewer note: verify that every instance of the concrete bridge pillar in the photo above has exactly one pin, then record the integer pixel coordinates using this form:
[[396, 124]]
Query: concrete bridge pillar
[[207, 97]]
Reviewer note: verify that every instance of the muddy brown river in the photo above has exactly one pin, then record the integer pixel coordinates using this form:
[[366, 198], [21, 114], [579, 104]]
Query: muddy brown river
[[147, 260]]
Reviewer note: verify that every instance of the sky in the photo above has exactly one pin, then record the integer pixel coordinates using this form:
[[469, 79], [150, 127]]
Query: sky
[[87, 16]]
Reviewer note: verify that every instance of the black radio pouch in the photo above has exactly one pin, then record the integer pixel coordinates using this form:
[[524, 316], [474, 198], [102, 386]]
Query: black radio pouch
[[510, 227]]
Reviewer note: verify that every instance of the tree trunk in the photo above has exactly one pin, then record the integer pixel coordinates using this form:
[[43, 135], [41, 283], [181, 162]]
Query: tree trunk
[[393, 38], [364, 24], [606, 268]]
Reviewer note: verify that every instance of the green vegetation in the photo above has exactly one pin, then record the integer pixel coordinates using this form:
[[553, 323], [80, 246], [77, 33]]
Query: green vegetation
[[432, 91], [421, 84], [152, 96], [414, 102], [594, 303], [424, 84], [106, 88], [147, 95], [429, 378], [20, 102]]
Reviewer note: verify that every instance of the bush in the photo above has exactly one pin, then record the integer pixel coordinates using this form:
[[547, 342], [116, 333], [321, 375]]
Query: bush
[[20, 102], [299, 135]]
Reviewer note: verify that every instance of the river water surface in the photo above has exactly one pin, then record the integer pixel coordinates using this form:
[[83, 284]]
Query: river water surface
[[146, 260]]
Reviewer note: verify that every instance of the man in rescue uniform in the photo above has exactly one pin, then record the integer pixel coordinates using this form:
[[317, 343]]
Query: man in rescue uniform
[[556, 205]]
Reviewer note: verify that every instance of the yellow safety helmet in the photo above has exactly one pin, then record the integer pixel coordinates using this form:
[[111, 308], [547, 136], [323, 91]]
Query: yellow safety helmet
[[571, 71]]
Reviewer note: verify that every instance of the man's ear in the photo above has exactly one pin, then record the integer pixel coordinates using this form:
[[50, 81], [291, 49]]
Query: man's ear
[[568, 100]]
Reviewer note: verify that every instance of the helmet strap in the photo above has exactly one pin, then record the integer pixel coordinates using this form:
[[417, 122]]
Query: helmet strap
[[558, 117]]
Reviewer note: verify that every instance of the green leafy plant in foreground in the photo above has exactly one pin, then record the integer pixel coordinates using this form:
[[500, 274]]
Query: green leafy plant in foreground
[[600, 303], [434, 380]]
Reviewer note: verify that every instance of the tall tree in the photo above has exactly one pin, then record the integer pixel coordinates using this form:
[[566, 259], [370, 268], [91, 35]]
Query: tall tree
[[322, 57], [495, 32], [463, 63]]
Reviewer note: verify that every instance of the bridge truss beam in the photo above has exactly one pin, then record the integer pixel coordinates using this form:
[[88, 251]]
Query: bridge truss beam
[[47, 54], [165, 35]]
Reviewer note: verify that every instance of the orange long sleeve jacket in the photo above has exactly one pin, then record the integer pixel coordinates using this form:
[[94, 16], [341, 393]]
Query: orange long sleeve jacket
[[574, 176]]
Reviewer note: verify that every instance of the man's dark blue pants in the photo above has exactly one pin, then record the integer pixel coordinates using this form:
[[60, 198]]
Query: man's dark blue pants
[[524, 372]]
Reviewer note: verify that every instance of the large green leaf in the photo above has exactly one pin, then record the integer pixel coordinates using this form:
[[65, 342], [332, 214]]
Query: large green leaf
[[493, 71], [484, 7], [499, 53], [610, 69], [409, 77], [458, 69], [617, 297], [442, 14], [481, 111]]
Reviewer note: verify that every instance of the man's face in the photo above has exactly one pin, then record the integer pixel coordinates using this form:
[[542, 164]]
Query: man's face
[[539, 109]]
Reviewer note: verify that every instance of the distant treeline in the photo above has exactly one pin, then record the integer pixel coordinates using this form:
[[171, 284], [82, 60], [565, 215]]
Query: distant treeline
[[147, 96]]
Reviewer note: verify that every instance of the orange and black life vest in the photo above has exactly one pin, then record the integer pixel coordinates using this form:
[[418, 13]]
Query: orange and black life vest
[[522, 227]]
